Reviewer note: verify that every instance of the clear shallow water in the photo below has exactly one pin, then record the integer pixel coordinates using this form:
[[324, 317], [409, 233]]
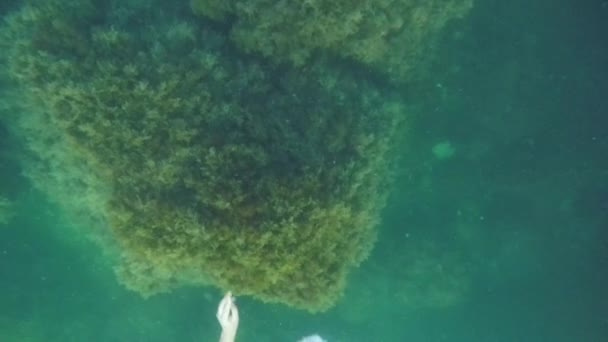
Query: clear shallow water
[[515, 219]]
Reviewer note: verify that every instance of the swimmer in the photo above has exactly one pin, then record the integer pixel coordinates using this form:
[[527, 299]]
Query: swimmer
[[228, 316]]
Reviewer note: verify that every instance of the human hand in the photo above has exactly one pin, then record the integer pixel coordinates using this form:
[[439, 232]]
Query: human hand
[[228, 316]]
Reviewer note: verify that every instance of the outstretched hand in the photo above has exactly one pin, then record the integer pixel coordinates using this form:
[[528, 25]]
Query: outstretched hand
[[228, 316]]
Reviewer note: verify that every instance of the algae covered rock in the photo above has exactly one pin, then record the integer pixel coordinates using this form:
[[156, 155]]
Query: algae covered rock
[[395, 37], [212, 167]]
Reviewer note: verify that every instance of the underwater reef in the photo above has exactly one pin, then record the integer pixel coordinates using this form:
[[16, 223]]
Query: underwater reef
[[203, 163], [393, 37]]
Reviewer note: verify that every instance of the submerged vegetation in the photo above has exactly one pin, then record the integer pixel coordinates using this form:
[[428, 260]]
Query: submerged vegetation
[[208, 165], [394, 37]]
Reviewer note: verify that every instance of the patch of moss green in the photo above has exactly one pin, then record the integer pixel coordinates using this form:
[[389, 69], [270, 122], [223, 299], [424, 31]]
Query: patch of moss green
[[395, 37], [209, 167]]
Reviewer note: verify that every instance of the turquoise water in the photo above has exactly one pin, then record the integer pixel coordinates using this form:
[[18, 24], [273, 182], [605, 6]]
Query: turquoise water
[[510, 227]]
